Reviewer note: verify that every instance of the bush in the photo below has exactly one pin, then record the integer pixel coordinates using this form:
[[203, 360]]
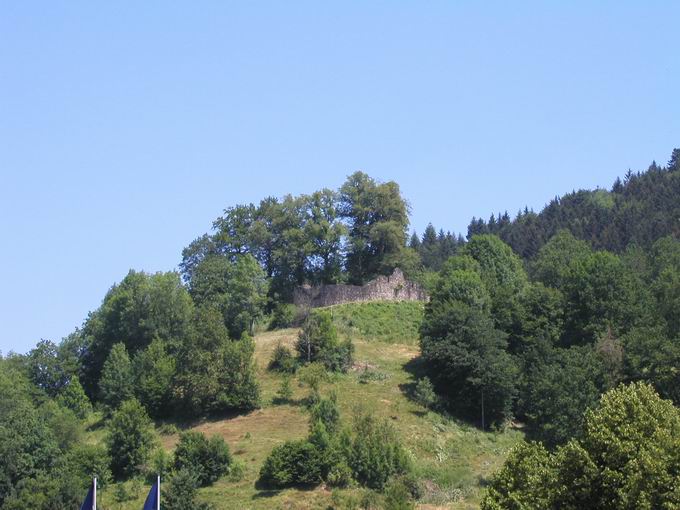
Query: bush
[[292, 463], [367, 376], [168, 429], [424, 393], [318, 341], [282, 360], [285, 392], [130, 438], [398, 495], [313, 375], [207, 459], [180, 492], [376, 453], [327, 412]]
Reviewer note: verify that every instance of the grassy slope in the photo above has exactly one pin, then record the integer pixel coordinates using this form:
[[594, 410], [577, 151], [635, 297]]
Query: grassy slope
[[454, 457]]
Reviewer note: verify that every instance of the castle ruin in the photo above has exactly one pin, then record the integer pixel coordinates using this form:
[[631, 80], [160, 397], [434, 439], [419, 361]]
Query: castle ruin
[[383, 288]]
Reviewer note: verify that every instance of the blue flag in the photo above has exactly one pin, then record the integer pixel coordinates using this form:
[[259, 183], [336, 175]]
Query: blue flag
[[153, 500], [89, 502]]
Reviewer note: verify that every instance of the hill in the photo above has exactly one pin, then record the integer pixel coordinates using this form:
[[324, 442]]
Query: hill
[[452, 458]]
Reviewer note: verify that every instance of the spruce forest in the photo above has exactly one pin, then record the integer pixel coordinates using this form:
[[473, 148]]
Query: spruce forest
[[543, 372]]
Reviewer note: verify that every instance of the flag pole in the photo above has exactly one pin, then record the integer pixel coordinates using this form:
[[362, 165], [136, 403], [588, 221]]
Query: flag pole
[[94, 492], [158, 498]]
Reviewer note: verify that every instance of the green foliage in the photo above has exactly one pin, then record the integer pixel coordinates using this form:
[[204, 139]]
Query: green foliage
[[398, 495], [367, 375], [424, 394], [601, 295], [292, 463], [237, 287], [313, 375], [384, 321], [284, 315], [626, 458], [214, 373], [161, 464], [207, 459], [282, 360], [552, 265], [65, 426], [653, 357], [88, 461], [326, 411], [134, 312], [378, 218], [376, 453], [73, 397], [318, 342], [524, 481], [294, 239], [130, 438], [47, 367], [559, 391], [285, 392], [28, 448], [116, 384], [56, 492], [637, 211], [154, 371], [246, 298], [435, 248], [466, 354], [179, 492]]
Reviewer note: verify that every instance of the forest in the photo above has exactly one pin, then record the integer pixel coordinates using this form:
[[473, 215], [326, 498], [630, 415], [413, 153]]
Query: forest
[[562, 325]]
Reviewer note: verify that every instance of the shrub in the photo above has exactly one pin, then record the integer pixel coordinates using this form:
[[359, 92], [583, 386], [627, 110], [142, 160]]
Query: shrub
[[424, 393], [180, 492], [313, 375], [327, 412], [207, 459], [318, 341], [367, 376], [282, 360], [376, 453], [168, 429], [292, 463], [285, 392], [398, 495]]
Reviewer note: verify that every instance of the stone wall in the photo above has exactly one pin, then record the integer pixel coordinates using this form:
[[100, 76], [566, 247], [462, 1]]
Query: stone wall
[[384, 288]]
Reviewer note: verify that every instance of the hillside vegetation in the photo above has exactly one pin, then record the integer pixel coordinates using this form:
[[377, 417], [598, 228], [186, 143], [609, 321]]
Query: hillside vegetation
[[452, 458], [384, 321], [551, 324]]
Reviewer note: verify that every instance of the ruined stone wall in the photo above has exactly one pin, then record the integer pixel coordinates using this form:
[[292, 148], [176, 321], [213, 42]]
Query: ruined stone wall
[[384, 288]]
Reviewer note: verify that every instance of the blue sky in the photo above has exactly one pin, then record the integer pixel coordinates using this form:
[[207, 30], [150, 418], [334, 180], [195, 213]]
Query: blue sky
[[126, 127]]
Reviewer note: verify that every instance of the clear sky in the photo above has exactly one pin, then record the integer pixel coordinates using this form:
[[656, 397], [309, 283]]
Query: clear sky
[[127, 127]]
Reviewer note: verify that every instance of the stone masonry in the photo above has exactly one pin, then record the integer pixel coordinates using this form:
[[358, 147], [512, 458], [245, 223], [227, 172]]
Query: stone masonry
[[383, 288]]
